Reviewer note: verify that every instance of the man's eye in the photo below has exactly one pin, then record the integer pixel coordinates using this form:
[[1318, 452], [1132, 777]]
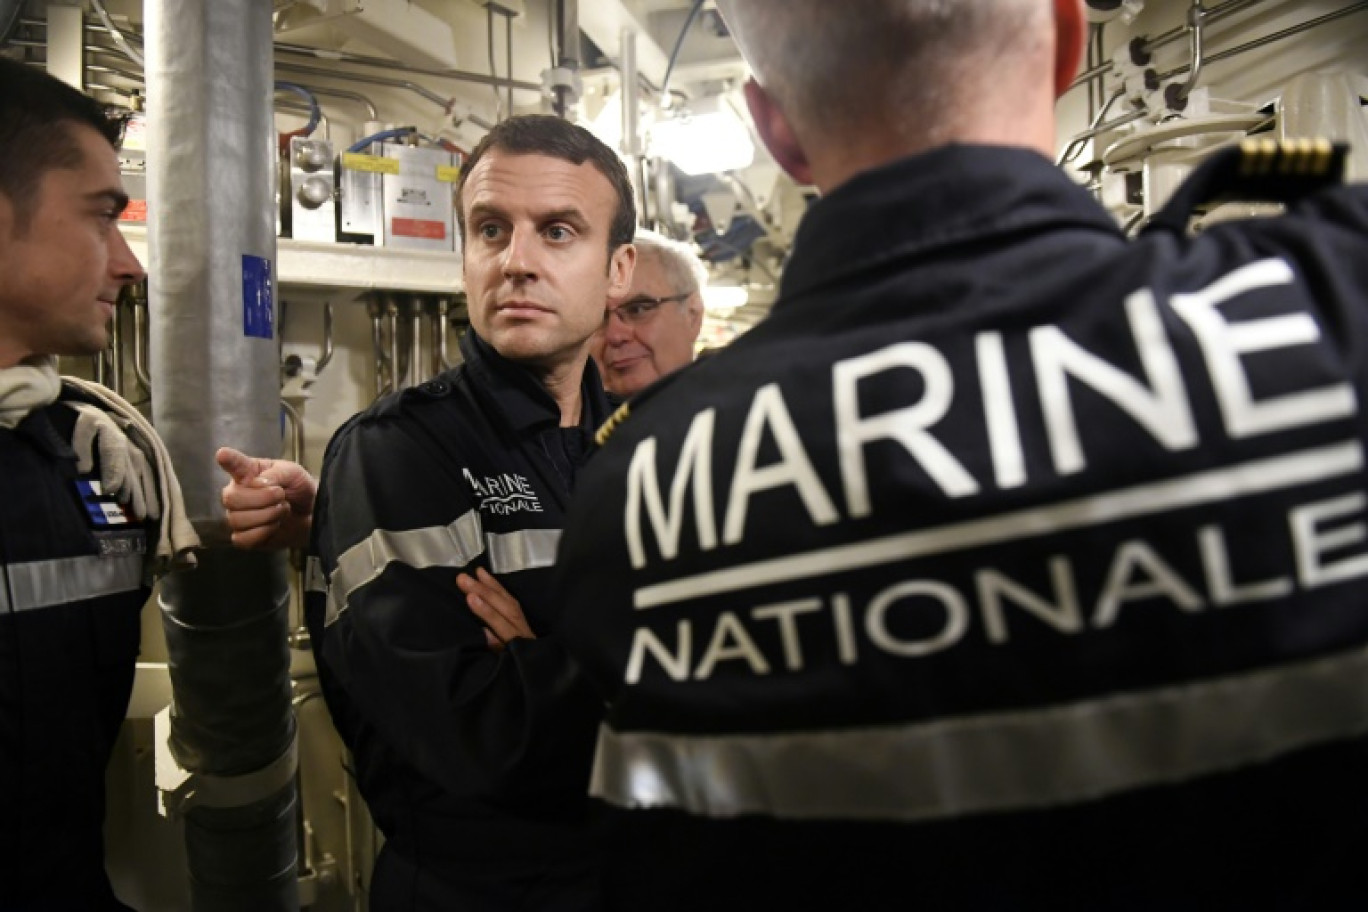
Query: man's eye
[[558, 233], [489, 231]]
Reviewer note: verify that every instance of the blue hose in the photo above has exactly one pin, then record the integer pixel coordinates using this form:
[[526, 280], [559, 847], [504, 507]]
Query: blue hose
[[361, 144], [314, 113]]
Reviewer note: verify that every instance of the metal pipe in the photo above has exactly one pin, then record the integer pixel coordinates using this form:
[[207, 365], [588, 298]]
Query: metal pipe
[[116, 347], [1213, 15], [299, 631], [443, 329], [371, 112], [508, 61], [1076, 144], [356, 60], [211, 154], [1109, 125], [327, 338], [416, 375], [1176, 95], [392, 324], [443, 103], [391, 66], [140, 342], [376, 312], [1276, 36]]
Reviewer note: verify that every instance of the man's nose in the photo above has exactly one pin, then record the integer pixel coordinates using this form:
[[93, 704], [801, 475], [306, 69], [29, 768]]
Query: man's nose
[[123, 262], [615, 329], [520, 254]]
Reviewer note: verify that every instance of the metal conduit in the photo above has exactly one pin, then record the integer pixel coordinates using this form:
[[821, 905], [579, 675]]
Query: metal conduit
[[1213, 15], [1275, 36], [211, 151], [1177, 96], [1226, 55], [354, 59], [443, 103], [392, 66]]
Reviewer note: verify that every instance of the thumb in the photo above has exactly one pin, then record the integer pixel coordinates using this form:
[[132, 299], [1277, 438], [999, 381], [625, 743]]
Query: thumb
[[241, 467]]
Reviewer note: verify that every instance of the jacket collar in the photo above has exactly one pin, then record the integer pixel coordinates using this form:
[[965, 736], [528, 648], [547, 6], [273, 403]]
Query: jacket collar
[[518, 395], [947, 196]]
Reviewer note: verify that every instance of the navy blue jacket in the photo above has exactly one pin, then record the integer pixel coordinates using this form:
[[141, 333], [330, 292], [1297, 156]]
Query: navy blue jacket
[[469, 760], [72, 594], [1008, 563]]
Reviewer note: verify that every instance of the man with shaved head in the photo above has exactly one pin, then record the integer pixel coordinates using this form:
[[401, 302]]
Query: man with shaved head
[[1009, 563]]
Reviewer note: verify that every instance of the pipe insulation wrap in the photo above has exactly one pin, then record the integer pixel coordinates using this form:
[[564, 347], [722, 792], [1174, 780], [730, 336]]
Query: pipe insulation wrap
[[215, 380], [211, 144]]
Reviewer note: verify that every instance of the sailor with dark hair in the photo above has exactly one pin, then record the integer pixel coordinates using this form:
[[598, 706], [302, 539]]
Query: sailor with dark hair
[[71, 553]]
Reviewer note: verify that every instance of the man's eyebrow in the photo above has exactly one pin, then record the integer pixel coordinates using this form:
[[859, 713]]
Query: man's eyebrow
[[116, 198], [570, 214]]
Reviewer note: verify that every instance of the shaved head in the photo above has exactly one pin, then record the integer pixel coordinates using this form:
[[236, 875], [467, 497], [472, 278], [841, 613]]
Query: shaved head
[[831, 67]]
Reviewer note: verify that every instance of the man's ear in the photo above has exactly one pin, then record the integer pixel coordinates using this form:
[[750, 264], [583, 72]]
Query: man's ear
[[776, 133], [1071, 33], [621, 265]]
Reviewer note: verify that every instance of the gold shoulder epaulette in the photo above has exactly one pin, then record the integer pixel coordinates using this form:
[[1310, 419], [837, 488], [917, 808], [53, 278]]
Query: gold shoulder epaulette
[[1263, 156], [1259, 169], [612, 424]]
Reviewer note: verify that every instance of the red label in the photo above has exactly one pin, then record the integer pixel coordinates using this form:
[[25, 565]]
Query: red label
[[418, 228], [135, 211]]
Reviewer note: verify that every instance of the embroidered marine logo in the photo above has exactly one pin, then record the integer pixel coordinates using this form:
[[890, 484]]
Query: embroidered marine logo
[[504, 494]]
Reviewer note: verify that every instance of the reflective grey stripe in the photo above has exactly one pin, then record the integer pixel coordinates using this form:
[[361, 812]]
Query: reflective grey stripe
[[454, 545], [315, 580], [526, 550], [999, 762], [46, 584]]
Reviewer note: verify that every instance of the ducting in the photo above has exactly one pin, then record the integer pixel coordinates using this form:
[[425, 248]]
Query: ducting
[[215, 380]]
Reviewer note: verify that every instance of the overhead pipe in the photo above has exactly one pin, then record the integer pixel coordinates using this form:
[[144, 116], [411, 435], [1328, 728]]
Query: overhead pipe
[[211, 180], [392, 66], [1145, 47], [1276, 36], [1175, 95], [1219, 56]]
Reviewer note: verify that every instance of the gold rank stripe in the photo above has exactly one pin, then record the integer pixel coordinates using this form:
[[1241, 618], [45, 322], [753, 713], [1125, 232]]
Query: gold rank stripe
[[612, 424], [1299, 157]]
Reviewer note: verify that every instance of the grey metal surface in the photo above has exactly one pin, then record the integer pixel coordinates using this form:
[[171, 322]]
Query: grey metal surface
[[215, 380]]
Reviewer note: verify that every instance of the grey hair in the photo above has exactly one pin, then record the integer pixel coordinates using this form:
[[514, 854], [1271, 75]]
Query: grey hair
[[829, 66], [682, 267]]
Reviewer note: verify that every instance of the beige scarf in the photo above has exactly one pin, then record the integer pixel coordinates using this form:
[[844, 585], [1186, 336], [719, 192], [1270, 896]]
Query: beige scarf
[[30, 384]]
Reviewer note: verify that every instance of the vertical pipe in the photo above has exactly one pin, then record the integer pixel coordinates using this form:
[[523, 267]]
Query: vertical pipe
[[116, 344], [631, 119], [211, 180], [392, 325], [417, 373]]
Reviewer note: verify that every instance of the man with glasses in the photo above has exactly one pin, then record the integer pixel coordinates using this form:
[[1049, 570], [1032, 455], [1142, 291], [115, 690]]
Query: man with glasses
[[651, 331]]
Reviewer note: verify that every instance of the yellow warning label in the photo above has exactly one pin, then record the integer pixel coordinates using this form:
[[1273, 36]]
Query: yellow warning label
[[449, 173], [375, 164]]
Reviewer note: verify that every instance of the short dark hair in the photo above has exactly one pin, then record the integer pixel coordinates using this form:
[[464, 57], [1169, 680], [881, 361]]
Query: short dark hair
[[37, 112], [542, 134]]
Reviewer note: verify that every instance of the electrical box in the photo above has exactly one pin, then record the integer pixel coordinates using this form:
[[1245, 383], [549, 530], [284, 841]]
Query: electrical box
[[313, 190], [133, 169], [418, 200], [362, 216]]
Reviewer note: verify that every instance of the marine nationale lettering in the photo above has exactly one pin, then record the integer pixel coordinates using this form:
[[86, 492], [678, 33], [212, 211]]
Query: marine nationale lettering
[[670, 495]]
